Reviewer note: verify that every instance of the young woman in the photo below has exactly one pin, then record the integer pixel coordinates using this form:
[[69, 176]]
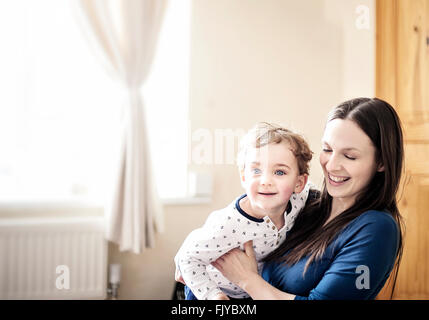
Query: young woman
[[345, 243]]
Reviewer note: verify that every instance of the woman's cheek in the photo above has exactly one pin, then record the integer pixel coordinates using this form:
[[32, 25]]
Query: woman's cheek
[[323, 159]]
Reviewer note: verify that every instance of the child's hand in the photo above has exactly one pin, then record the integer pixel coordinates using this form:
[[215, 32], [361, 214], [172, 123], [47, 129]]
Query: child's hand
[[221, 296], [178, 276]]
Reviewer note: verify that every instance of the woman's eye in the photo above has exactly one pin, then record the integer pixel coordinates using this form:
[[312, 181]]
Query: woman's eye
[[349, 157], [326, 150], [280, 173]]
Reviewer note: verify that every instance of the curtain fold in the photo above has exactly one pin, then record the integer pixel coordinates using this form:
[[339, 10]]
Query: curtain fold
[[124, 34]]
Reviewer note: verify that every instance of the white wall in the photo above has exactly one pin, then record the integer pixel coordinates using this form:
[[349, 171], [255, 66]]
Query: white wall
[[284, 61]]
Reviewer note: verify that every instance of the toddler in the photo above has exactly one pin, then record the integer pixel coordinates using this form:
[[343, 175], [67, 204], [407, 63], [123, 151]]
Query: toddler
[[274, 165]]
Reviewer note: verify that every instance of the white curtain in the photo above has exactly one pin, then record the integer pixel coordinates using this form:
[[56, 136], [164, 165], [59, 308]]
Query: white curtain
[[124, 34]]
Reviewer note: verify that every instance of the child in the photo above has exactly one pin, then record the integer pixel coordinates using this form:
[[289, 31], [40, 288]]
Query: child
[[274, 165]]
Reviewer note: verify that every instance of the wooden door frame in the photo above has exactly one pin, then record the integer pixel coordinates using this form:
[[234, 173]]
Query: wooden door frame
[[386, 73], [386, 50]]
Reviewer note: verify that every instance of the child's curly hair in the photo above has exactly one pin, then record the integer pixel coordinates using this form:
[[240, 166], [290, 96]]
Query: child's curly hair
[[265, 133]]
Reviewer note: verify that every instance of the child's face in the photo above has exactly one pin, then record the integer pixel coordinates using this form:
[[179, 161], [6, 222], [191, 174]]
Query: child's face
[[270, 177]]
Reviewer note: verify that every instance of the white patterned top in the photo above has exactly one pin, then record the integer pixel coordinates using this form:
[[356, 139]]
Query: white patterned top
[[223, 231]]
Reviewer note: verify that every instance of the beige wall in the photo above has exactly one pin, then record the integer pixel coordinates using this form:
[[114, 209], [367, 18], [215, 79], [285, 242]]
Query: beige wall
[[284, 61]]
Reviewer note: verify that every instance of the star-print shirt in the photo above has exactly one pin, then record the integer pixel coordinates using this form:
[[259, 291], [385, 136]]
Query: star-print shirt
[[223, 231]]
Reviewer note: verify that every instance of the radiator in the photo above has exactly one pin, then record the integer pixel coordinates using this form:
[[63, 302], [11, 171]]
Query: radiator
[[62, 258]]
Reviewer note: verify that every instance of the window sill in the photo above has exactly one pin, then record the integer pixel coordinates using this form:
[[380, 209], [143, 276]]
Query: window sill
[[78, 203], [186, 201]]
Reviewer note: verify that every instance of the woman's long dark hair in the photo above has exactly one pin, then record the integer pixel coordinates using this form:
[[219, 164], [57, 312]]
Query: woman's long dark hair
[[309, 236]]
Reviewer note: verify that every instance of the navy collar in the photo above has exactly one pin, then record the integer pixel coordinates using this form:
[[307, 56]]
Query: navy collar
[[237, 206], [242, 212]]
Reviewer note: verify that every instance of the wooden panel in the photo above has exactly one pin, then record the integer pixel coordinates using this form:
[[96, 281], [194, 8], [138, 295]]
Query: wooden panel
[[413, 278], [416, 133], [417, 160], [403, 80], [412, 61]]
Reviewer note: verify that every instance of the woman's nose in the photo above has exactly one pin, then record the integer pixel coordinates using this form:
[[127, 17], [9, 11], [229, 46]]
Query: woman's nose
[[334, 163]]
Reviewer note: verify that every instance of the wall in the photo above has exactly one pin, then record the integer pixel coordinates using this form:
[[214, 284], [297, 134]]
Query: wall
[[284, 61]]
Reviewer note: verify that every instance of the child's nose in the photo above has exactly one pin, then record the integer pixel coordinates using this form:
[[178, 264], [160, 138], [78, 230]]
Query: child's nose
[[266, 179]]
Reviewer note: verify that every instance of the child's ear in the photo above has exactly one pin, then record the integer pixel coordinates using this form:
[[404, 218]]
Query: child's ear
[[300, 183]]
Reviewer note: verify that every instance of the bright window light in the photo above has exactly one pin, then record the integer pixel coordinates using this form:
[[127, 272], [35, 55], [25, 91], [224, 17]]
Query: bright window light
[[60, 111]]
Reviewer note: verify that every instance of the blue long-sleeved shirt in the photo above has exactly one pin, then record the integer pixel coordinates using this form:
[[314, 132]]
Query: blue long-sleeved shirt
[[366, 247]]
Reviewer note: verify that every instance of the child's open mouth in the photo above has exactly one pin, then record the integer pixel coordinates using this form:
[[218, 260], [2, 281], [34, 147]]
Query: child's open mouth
[[267, 193]]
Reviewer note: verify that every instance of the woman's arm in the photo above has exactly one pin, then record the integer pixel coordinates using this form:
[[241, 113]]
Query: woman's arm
[[241, 268], [358, 271], [361, 267], [259, 289]]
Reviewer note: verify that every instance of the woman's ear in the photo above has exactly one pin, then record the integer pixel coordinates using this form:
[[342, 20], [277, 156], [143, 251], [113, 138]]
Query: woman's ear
[[380, 168], [300, 183]]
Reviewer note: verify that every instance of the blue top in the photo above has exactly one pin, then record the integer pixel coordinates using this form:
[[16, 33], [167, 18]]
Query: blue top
[[354, 266]]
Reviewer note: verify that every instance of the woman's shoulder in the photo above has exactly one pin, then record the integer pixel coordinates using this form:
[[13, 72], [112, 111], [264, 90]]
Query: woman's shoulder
[[372, 225], [379, 218]]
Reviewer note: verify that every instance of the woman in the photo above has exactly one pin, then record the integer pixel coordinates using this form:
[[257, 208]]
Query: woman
[[345, 243]]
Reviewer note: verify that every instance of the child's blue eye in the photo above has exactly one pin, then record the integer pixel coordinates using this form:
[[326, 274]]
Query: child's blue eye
[[256, 171], [280, 173]]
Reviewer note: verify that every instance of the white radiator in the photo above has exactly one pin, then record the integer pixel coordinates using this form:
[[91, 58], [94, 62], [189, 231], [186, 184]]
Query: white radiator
[[63, 258]]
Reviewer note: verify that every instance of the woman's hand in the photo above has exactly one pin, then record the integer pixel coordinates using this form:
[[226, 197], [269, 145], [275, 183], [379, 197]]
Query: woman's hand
[[238, 266], [241, 268]]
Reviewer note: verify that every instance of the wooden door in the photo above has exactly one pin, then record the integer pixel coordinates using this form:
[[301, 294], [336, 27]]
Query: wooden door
[[402, 79]]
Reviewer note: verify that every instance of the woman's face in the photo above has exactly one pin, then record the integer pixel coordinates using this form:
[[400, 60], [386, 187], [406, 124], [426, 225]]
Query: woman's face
[[348, 160]]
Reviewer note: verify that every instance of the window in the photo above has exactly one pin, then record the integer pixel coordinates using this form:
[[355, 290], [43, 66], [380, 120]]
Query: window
[[60, 111]]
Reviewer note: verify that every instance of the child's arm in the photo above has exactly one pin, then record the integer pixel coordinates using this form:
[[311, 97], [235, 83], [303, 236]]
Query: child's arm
[[202, 247], [216, 296]]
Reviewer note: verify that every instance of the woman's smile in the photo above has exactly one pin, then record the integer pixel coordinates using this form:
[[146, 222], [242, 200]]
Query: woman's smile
[[337, 180]]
